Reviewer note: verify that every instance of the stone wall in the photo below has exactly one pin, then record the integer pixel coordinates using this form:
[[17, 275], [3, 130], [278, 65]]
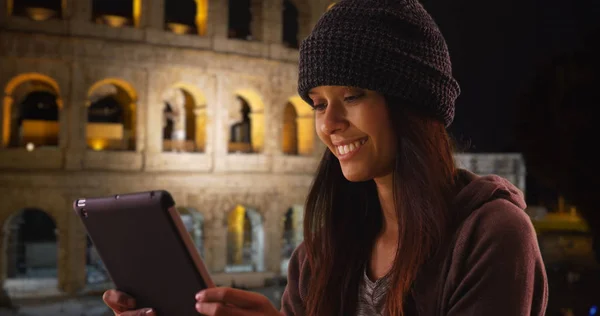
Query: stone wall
[[76, 53]]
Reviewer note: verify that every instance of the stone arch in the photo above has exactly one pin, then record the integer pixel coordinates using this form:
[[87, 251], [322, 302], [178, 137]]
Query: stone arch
[[298, 135], [194, 223], [245, 240], [112, 119], [30, 252], [184, 124], [247, 122], [24, 121], [293, 233]]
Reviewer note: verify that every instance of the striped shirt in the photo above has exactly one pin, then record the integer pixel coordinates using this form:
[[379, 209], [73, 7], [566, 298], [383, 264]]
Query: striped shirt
[[371, 296]]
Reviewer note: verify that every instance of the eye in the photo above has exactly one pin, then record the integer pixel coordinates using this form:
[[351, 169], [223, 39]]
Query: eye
[[354, 97], [319, 107]]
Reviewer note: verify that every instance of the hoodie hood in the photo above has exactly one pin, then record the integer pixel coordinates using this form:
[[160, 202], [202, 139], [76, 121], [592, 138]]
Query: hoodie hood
[[478, 190]]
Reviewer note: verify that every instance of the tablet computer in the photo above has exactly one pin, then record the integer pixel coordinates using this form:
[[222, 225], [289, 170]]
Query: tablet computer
[[146, 249]]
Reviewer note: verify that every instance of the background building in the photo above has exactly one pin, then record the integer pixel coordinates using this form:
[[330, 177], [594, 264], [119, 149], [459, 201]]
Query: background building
[[197, 97]]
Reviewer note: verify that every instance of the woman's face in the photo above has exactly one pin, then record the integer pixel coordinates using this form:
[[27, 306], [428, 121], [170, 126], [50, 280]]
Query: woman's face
[[354, 124]]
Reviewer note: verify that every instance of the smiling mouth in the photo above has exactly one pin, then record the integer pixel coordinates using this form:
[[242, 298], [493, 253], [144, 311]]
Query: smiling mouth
[[344, 150]]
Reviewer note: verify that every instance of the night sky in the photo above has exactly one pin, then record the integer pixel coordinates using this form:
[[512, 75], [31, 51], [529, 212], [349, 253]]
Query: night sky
[[495, 47]]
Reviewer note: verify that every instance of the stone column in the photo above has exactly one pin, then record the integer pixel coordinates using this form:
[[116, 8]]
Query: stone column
[[72, 247], [215, 244], [155, 12], [76, 117], [218, 18], [258, 10], [274, 236], [272, 21], [81, 11]]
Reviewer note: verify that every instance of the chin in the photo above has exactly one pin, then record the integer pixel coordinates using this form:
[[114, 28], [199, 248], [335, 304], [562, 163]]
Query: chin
[[355, 175]]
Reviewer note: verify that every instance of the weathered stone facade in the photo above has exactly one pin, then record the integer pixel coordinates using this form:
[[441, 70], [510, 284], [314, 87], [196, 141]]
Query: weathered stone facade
[[76, 54], [73, 55]]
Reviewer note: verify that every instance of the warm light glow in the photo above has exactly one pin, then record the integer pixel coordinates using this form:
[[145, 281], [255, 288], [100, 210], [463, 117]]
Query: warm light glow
[[32, 76], [40, 14], [257, 117], [129, 118], [114, 20], [201, 16], [98, 144], [235, 229], [330, 5], [137, 12], [117, 82], [305, 126], [40, 132], [178, 28], [6, 107], [30, 147], [9, 7]]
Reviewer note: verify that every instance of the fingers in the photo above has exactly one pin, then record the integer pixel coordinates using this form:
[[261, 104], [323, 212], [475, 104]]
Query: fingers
[[239, 298], [139, 312], [220, 309], [118, 301]]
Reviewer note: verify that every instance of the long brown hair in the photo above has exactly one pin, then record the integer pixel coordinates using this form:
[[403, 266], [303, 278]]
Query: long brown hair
[[343, 218]]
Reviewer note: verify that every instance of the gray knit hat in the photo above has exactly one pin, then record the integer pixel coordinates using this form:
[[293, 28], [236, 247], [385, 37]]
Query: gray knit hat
[[390, 46]]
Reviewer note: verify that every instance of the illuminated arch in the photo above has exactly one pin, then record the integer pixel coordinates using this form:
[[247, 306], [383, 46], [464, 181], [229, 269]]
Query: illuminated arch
[[99, 137], [9, 99], [195, 120], [257, 117], [305, 126], [117, 82], [245, 240]]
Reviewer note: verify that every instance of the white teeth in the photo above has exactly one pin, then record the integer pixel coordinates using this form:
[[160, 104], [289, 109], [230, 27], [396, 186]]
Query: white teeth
[[345, 149]]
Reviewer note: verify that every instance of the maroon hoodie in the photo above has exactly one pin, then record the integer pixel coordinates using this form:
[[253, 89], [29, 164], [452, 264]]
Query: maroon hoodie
[[492, 266]]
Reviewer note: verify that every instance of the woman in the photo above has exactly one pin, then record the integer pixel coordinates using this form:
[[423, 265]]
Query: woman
[[392, 227]]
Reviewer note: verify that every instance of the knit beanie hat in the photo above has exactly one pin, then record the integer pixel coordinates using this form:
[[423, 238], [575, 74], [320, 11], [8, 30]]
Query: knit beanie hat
[[390, 46]]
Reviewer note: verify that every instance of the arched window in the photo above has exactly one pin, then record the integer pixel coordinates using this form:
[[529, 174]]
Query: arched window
[[37, 10], [240, 19], [290, 24], [245, 241], [32, 106], [241, 131], [184, 119], [180, 16], [290, 130], [293, 234], [31, 251], [298, 128], [246, 123], [111, 116]]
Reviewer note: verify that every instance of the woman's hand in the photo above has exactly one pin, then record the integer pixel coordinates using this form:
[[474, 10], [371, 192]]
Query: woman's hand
[[231, 302], [123, 304]]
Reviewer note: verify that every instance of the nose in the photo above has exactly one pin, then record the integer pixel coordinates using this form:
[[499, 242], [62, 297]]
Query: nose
[[334, 119]]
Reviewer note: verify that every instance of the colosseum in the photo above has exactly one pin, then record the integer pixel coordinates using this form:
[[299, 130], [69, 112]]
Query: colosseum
[[197, 97]]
